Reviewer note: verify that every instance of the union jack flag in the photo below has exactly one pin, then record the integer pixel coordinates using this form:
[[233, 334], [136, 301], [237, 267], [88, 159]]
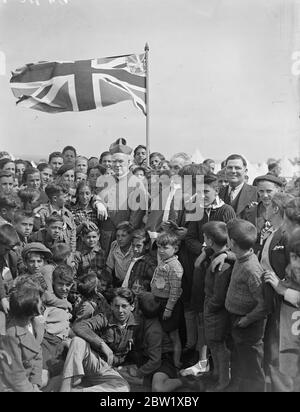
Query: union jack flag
[[81, 85]]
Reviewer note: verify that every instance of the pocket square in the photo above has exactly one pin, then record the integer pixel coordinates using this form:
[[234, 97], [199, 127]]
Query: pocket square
[[278, 247]]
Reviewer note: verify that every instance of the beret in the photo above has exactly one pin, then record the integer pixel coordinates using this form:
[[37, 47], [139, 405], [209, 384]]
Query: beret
[[269, 178], [64, 168], [36, 247]]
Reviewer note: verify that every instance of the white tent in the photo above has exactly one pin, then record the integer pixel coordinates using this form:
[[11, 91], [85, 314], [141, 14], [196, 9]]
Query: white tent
[[197, 157], [288, 170]]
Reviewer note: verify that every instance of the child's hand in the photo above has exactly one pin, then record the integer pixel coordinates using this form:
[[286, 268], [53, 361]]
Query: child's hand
[[108, 353], [167, 314], [242, 323], [200, 259], [5, 356], [274, 281], [218, 262], [5, 305]]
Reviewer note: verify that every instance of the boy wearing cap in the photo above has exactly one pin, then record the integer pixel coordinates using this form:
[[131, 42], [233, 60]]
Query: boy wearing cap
[[256, 213]]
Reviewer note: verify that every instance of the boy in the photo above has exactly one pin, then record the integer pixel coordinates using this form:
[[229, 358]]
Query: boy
[[91, 257], [245, 303], [52, 234], [216, 317], [288, 359], [92, 302], [166, 286], [57, 195], [8, 206], [121, 253], [8, 268], [56, 160], [21, 343], [35, 255], [6, 182], [143, 264], [57, 324], [102, 344], [23, 223]]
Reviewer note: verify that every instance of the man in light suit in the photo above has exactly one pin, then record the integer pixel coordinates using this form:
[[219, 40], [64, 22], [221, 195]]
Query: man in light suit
[[238, 193]]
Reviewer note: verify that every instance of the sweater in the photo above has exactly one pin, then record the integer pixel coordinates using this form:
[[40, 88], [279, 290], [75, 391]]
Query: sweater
[[245, 293], [166, 281]]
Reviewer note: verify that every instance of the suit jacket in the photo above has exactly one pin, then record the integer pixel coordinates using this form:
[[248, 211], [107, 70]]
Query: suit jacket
[[278, 253], [247, 195]]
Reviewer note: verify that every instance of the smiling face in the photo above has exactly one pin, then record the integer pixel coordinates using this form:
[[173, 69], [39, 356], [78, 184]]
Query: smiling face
[[107, 161], [20, 169], [235, 172], [91, 239], [140, 156], [61, 288], [34, 262], [155, 162], [84, 195], [47, 176], [121, 309], [120, 164]]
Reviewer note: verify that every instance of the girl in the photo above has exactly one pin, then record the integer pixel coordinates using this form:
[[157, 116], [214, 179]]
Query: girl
[[22, 341], [32, 182]]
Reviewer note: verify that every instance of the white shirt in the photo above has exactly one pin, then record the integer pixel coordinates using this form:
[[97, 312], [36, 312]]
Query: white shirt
[[265, 261], [234, 191], [127, 276]]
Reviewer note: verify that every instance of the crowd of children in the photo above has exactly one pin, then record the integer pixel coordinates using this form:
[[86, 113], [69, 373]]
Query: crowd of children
[[116, 274]]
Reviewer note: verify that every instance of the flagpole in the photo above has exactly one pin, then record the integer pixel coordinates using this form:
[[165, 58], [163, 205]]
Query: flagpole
[[147, 103]]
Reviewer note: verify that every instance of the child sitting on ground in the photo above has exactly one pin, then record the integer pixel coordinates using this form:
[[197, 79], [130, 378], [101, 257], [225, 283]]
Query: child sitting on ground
[[57, 324], [24, 374], [92, 302], [52, 233], [166, 286], [143, 264], [91, 256], [121, 253]]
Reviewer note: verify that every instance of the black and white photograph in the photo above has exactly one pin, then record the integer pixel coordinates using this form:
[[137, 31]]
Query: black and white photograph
[[149, 198]]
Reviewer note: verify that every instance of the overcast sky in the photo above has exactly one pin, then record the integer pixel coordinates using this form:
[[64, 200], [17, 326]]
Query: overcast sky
[[220, 74]]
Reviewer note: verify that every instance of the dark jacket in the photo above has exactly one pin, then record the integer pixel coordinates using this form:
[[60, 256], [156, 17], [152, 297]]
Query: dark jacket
[[143, 270], [194, 237], [15, 263], [26, 354], [216, 317], [247, 195], [101, 329]]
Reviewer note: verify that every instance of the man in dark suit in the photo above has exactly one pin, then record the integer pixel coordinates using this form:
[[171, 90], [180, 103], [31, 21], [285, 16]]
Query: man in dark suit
[[238, 193]]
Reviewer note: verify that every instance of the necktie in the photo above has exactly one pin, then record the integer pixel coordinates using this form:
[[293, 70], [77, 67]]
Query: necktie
[[232, 195]]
